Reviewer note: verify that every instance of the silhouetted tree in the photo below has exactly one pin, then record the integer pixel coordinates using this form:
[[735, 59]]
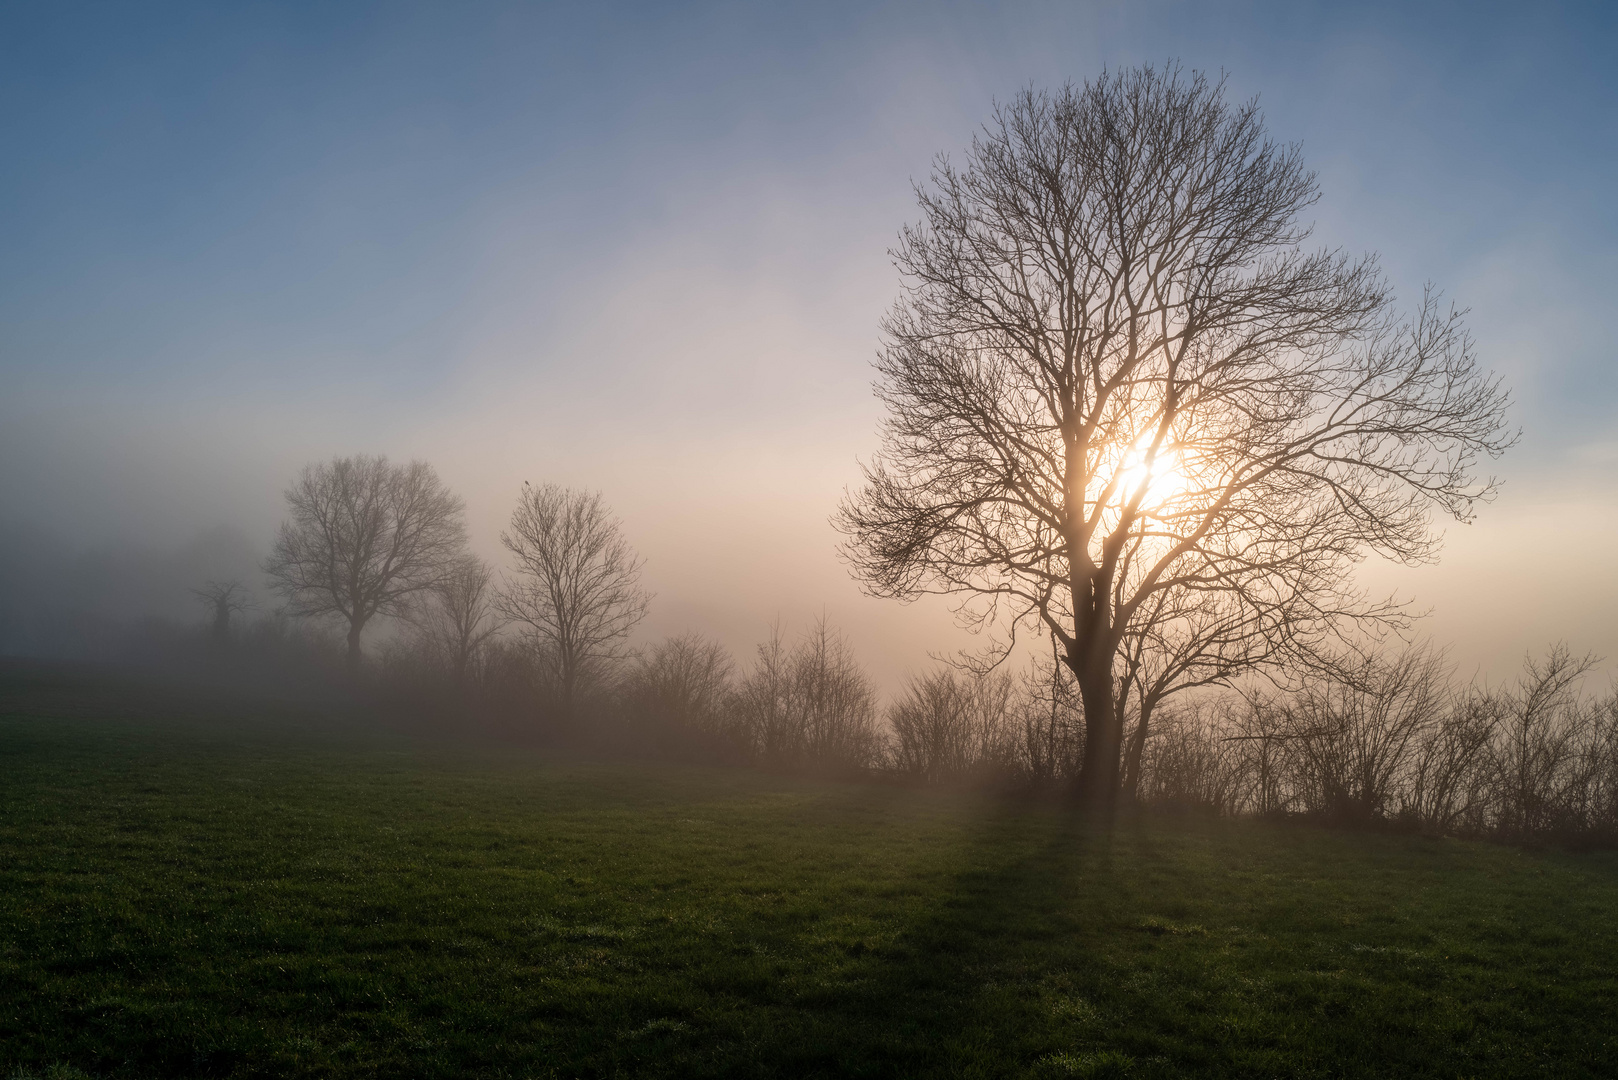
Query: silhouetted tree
[[1116, 373], [222, 599], [366, 538], [948, 724], [462, 617], [577, 584]]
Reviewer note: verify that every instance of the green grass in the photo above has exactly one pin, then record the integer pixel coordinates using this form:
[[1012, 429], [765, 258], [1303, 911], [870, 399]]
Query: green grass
[[186, 889]]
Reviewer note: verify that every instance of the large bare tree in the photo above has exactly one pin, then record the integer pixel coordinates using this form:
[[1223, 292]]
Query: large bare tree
[[366, 537], [577, 584], [1116, 373]]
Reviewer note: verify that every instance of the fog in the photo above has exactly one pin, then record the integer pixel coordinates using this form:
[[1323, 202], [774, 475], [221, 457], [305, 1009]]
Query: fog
[[645, 252]]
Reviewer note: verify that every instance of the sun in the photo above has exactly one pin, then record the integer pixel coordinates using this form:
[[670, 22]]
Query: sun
[[1156, 478]]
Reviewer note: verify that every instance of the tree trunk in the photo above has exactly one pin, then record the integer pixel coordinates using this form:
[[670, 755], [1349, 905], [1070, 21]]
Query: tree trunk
[[1097, 787], [570, 677], [1132, 754], [354, 629]]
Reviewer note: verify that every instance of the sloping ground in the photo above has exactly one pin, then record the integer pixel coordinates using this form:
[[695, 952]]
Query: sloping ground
[[190, 889]]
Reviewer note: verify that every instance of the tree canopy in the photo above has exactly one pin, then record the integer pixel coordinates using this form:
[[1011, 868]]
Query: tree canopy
[[1123, 398]]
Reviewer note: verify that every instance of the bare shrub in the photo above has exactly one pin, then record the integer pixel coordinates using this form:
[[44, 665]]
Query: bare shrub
[[1391, 738], [1449, 784], [1536, 749], [1601, 752], [808, 705], [1354, 738], [1188, 763], [1048, 724], [950, 724], [1255, 729], [460, 619], [676, 693]]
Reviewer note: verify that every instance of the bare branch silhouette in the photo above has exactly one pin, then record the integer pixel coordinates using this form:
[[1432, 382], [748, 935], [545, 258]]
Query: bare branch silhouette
[[365, 538], [222, 599], [462, 617], [577, 584], [1122, 397]]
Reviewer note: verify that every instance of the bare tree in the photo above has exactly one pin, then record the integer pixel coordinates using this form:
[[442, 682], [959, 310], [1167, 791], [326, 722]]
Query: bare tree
[[1116, 373], [1448, 786], [577, 587], [834, 700], [222, 599], [366, 538], [462, 617], [1541, 724], [1355, 740]]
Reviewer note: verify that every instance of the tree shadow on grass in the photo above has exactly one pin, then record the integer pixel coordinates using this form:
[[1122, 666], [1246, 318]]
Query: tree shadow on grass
[[968, 988]]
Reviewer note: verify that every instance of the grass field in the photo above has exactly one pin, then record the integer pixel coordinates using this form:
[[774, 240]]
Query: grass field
[[188, 889]]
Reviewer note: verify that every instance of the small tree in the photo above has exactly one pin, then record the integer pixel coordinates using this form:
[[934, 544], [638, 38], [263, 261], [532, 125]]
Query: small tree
[[461, 618], [222, 599], [1541, 723], [949, 723], [365, 538], [1355, 739], [577, 584]]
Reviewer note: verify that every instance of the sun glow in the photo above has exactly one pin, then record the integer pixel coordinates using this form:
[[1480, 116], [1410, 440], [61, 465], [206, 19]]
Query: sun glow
[[1161, 476]]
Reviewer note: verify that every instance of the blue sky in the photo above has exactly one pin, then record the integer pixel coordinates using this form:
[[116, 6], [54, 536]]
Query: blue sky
[[642, 247]]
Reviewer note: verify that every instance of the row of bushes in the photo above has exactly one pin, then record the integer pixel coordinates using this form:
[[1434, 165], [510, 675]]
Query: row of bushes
[[1382, 739], [1393, 739], [1387, 739]]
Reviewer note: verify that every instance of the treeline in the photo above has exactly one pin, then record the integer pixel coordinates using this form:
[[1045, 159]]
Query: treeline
[[1381, 740], [1394, 740], [1386, 740]]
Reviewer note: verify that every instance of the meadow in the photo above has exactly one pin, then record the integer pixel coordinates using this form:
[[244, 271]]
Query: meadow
[[195, 885]]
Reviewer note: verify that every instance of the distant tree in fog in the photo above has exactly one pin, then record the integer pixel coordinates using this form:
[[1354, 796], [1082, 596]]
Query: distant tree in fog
[[461, 617], [577, 583], [222, 598], [366, 538]]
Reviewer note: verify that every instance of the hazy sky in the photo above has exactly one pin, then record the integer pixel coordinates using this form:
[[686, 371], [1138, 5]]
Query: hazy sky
[[643, 248]]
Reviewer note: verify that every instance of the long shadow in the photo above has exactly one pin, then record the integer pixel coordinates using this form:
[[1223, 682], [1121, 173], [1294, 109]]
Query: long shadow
[[958, 991]]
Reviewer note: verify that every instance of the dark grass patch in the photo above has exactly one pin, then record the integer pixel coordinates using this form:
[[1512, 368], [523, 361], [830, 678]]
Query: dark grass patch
[[205, 897]]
